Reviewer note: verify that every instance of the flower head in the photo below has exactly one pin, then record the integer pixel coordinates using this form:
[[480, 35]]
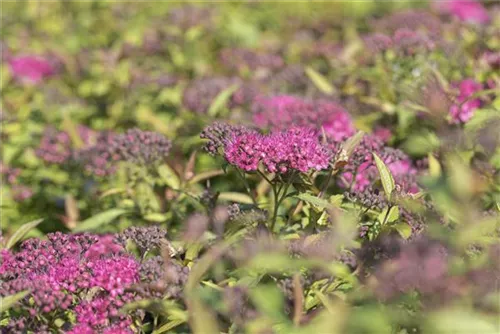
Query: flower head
[[30, 69], [140, 147], [283, 111], [465, 10], [240, 58], [200, 93], [279, 152], [464, 108]]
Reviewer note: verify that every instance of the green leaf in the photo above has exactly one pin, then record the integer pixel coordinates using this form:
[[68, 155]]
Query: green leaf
[[434, 166], [205, 175], [112, 191], [168, 326], [459, 321], [269, 300], [221, 100], [193, 250], [169, 176], [72, 131], [8, 301], [236, 197], [21, 232], [385, 176], [403, 229], [316, 201], [389, 216], [205, 320], [99, 219], [156, 217], [319, 81], [336, 200], [352, 142]]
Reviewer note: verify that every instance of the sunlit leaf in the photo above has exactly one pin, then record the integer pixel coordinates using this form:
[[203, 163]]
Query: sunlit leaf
[[434, 166], [221, 100], [319, 81], [385, 176], [403, 229], [21, 232], [99, 219], [205, 175], [168, 326], [169, 176], [8, 301], [235, 197]]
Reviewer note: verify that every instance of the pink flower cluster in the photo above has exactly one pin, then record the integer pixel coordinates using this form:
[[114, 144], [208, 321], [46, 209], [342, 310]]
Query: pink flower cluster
[[361, 172], [20, 192], [463, 110], [95, 156], [404, 41], [62, 270], [56, 146], [283, 111], [280, 152], [465, 10], [30, 69]]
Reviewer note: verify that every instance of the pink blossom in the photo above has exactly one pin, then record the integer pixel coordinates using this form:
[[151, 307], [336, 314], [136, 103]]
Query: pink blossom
[[464, 109], [244, 151], [279, 152], [281, 112], [30, 69], [465, 10], [383, 134]]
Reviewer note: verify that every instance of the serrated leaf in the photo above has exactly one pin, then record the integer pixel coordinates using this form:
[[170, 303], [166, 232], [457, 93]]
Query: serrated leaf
[[319, 81], [99, 219], [8, 301], [403, 229], [385, 176], [169, 176], [21, 232], [221, 100]]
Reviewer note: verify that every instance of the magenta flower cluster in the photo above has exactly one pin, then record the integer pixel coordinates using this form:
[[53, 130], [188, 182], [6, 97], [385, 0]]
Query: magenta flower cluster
[[463, 110], [31, 69], [283, 111], [10, 175], [404, 41], [201, 92], [140, 147], [84, 274], [296, 149], [241, 59], [101, 150], [471, 11], [360, 173], [57, 147]]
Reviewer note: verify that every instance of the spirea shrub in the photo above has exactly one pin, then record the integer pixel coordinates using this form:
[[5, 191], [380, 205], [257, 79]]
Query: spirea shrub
[[250, 168]]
